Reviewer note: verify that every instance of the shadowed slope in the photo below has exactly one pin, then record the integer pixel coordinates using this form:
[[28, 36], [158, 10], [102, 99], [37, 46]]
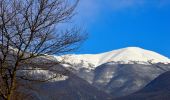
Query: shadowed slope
[[158, 89]]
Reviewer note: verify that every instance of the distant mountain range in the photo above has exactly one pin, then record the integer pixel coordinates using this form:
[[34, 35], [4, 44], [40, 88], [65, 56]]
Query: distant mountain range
[[105, 76]]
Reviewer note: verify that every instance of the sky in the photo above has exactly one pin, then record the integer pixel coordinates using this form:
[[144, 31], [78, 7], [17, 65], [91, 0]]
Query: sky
[[114, 24]]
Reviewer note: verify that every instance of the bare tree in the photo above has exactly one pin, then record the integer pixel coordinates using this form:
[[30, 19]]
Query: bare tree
[[29, 30]]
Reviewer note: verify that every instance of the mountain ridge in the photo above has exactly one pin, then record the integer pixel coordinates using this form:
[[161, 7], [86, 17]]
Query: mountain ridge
[[127, 55]]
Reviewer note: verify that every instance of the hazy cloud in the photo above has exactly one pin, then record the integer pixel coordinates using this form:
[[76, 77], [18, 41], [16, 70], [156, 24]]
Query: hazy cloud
[[92, 9], [89, 8], [163, 3], [96, 5], [124, 4]]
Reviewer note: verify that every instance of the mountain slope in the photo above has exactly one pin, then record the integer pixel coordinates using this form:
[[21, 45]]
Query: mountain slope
[[66, 86], [124, 79], [158, 89], [74, 88], [119, 72]]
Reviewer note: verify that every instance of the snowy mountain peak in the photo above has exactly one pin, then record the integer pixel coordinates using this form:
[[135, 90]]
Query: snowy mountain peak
[[134, 54], [124, 56]]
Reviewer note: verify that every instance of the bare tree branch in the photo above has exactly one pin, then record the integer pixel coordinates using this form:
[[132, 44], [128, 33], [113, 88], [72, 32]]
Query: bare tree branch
[[29, 32]]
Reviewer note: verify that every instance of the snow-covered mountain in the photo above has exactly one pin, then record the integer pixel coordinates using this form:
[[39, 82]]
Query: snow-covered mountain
[[119, 72], [111, 74], [129, 55]]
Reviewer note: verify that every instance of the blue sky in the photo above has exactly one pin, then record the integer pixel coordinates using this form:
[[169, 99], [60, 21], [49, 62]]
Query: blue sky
[[114, 24]]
